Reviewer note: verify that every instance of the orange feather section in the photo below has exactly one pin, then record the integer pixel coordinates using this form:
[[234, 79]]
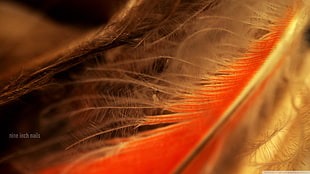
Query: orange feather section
[[172, 148]]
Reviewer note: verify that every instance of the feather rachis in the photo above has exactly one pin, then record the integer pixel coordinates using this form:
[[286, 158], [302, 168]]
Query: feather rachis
[[293, 82]]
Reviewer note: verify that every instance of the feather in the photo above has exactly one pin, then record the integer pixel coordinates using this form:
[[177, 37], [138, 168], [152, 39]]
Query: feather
[[172, 88]]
